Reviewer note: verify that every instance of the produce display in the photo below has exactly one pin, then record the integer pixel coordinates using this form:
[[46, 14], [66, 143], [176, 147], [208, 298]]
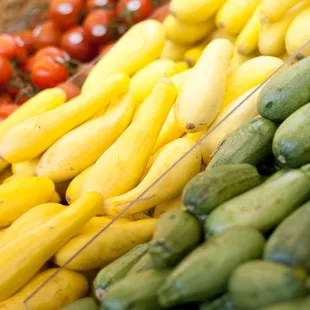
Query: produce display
[[176, 176]]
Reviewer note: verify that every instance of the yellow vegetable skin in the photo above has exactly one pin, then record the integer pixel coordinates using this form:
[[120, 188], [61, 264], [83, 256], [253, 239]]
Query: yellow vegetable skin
[[193, 54], [182, 66], [237, 60], [81, 147], [120, 168], [167, 206], [63, 289], [31, 220], [26, 168], [235, 14], [141, 45], [186, 34], [22, 258], [193, 12], [251, 73], [247, 41], [272, 11], [272, 36], [32, 137], [143, 82], [298, 34], [22, 194], [202, 93], [6, 173], [74, 189], [170, 186], [173, 51], [108, 246], [241, 115], [55, 198]]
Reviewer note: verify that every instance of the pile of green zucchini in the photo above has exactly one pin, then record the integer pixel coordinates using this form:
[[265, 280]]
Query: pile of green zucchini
[[242, 238]]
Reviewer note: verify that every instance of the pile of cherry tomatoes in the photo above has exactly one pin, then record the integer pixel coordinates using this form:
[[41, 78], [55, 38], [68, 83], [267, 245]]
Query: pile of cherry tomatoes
[[72, 34]]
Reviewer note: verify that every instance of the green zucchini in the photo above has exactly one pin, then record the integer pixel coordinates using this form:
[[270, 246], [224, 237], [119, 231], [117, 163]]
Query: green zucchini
[[286, 92], [278, 174], [204, 273], [250, 144], [290, 242], [118, 269], [144, 263], [177, 232], [291, 143], [298, 304], [214, 186], [264, 206], [87, 303], [222, 303], [135, 292], [259, 284]]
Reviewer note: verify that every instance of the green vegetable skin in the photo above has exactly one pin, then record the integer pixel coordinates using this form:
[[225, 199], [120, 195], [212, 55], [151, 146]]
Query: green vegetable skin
[[118, 269], [135, 292], [204, 273], [290, 242], [87, 303], [176, 234], [291, 144], [251, 144], [298, 304], [222, 303], [214, 186], [264, 206], [286, 92], [258, 284], [144, 263]]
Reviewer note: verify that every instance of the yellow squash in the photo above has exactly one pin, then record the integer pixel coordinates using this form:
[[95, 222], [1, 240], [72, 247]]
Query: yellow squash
[[241, 115], [143, 82], [171, 204], [186, 34], [55, 198], [272, 11], [182, 66], [108, 246], [298, 34], [173, 51], [6, 173], [26, 168], [272, 36], [74, 189], [193, 54], [22, 258], [237, 60], [120, 168], [81, 147], [247, 41], [63, 289], [32, 137], [219, 34], [202, 93], [194, 11], [168, 187], [235, 14], [141, 45], [251, 73], [22, 194], [30, 220]]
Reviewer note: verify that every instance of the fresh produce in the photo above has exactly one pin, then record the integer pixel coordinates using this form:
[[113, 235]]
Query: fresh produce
[[214, 186], [291, 143], [21, 195], [251, 144], [26, 168], [173, 51], [299, 303], [136, 291], [64, 288], [222, 303], [145, 263], [202, 275], [117, 269], [208, 87], [87, 303], [286, 92], [289, 244], [258, 284], [264, 206], [23, 257], [176, 234], [166, 206]]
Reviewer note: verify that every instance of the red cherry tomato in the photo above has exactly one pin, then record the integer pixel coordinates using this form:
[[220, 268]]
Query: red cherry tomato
[[48, 73], [99, 4], [21, 49], [105, 48], [65, 13], [6, 107], [160, 13], [134, 11], [46, 34], [29, 63], [27, 38], [74, 42], [97, 26], [54, 53], [5, 99], [70, 89], [6, 70], [7, 46]]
